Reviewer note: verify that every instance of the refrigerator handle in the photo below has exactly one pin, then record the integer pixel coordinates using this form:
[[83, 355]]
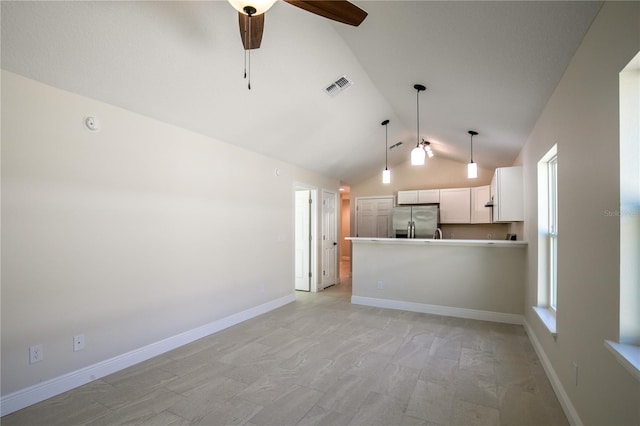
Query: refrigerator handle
[[413, 229]]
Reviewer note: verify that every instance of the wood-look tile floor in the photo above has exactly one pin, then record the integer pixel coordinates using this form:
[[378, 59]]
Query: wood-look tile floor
[[323, 361]]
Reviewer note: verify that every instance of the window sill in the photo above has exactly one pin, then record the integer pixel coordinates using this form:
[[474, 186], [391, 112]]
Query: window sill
[[547, 318], [627, 355]]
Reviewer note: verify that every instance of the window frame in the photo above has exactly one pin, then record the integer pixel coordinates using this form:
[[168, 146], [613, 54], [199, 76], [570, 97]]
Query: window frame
[[552, 232], [547, 301]]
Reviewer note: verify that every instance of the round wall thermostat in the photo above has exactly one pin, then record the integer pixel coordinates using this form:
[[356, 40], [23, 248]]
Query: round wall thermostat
[[92, 124]]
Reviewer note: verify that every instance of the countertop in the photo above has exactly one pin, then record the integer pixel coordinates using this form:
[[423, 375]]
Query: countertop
[[443, 242]]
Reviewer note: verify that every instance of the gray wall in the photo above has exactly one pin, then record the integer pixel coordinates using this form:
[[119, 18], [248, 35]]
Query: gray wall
[[130, 235], [582, 118]]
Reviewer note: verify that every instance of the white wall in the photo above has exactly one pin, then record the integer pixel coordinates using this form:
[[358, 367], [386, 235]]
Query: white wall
[[129, 235], [582, 118]]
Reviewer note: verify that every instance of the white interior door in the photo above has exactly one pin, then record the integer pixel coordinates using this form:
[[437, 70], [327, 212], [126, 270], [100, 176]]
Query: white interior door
[[329, 239], [303, 240], [374, 217]]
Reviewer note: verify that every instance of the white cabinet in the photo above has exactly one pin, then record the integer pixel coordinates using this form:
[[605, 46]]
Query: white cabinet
[[428, 196], [455, 205], [424, 196], [407, 197], [480, 195], [506, 192]]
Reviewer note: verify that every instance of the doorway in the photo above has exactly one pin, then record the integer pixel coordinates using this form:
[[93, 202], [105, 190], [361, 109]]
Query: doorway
[[374, 217], [345, 231], [329, 239], [302, 258]]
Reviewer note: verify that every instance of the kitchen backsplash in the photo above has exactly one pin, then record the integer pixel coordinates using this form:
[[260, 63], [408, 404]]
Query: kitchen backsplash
[[493, 231]]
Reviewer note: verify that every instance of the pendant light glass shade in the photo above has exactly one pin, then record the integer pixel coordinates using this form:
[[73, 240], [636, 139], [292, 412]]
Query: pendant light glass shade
[[386, 176], [386, 173], [260, 6], [417, 156], [418, 153], [472, 168]]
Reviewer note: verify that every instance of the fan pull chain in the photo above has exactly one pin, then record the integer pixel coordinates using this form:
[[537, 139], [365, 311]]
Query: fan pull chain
[[250, 11], [248, 55]]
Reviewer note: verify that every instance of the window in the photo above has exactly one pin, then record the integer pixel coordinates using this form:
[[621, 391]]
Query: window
[[552, 233], [627, 347], [548, 239]]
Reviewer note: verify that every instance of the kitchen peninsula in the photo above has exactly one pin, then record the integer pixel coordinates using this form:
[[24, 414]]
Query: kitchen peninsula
[[478, 279]]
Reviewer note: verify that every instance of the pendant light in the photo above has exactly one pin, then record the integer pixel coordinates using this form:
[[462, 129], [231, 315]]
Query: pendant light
[[418, 153], [386, 173], [472, 168], [427, 148]]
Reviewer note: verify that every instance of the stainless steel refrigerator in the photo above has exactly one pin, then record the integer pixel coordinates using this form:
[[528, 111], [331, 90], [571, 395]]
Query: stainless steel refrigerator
[[415, 221]]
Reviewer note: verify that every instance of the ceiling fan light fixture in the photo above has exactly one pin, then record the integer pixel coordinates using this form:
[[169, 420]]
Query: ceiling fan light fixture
[[253, 7], [472, 168]]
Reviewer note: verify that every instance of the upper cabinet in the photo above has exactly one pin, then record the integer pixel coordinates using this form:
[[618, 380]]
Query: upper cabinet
[[480, 196], [469, 205], [428, 196], [455, 205], [407, 197], [506, 193], [424, 196]]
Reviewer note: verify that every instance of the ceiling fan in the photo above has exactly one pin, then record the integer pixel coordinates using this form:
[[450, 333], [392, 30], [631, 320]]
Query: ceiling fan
[[252, 11], [251, 17]]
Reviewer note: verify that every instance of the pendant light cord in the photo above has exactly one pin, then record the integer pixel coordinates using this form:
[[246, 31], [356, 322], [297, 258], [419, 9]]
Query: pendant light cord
[[386, 145], [472, 133], [418, 120]]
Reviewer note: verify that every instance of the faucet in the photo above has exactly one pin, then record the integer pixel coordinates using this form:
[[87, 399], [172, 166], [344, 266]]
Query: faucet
[[438, 234]]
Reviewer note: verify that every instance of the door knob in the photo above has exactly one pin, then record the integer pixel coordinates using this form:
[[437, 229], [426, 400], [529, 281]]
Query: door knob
[[335, 244]]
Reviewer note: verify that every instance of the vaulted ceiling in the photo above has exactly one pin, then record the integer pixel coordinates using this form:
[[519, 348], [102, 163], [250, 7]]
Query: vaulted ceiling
[[488, 66]]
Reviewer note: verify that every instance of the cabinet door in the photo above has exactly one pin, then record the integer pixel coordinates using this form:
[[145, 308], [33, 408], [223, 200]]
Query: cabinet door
[[508, 203], [407, 197], [455, 205], [429, 196], [480, 196]]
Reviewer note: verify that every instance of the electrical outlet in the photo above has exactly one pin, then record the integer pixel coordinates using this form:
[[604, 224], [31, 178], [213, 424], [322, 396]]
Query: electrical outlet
[[489, 236], [78, 342], [380, 285], [36, 354]]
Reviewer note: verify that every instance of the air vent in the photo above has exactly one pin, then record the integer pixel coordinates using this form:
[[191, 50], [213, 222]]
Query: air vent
[[338, 86]]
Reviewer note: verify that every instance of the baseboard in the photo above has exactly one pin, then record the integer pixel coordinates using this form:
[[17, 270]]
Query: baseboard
[[568, 408], [33, 394], [439, 310]]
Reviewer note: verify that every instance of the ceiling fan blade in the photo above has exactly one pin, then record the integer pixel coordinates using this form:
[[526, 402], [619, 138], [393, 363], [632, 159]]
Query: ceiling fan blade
[[257, 26], [337, 10]]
